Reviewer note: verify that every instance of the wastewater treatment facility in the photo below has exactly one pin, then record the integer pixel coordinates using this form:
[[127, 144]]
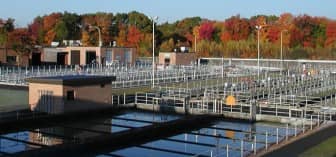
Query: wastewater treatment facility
[[92, 81]]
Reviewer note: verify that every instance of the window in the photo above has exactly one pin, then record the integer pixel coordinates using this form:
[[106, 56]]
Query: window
[[128, 59], [108, 57], [118, 58], [70, 95], [167, 61], [46, 101], [11, 59]]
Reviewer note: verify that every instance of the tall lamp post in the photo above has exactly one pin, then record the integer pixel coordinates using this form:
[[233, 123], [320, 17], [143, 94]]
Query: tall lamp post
[[99, 34], [154, 19], [195, 43], [281, 57], [258, 27]]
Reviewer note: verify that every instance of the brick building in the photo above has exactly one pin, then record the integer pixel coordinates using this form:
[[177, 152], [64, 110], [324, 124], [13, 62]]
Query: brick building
[[78, 55], [176, 58], [10, 57]]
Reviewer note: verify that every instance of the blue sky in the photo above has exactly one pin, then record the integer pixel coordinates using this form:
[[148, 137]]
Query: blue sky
[[168, 10]]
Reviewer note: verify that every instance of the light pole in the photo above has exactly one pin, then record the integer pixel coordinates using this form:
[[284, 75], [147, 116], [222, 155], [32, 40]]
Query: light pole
[[99, 34], [195, 44], [155, 18], [281, 62], [258, 27]]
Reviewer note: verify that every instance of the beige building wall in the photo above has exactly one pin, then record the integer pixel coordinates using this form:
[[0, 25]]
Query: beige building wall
[[50, 101], [53, 98], [88, 97], [184, 58], [177, 58]]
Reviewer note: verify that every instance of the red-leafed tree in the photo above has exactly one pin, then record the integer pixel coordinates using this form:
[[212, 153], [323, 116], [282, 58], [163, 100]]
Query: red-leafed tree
[[35, 30], [49, 23], [331, 33], [21, 42], [296, 37], [237, 28], [206, 30], [311, 30], [273, 34], [133, 36], [285, 20], [285, 24]]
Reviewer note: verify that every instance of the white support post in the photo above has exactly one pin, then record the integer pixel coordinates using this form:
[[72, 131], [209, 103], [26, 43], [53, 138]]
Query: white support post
[[136, 98], [242, 148], [118, 100], [112, 100], [255, 145], [277, 135], [146, 99], [124, 98], [318, 119], [266, 140], [286, 132]]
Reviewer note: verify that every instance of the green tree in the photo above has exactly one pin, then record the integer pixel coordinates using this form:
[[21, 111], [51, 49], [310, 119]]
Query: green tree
[[72, 22], [61, 31], [6, 26], [140, 20]]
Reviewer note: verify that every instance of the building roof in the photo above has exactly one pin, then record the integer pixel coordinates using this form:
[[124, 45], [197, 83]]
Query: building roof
[[73, 80], [116, 47]]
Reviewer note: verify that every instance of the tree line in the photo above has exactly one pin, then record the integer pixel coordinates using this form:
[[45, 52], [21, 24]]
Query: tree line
[[303, 36]]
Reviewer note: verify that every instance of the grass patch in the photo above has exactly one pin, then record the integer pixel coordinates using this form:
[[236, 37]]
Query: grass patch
[[324, 149], [13, 99]]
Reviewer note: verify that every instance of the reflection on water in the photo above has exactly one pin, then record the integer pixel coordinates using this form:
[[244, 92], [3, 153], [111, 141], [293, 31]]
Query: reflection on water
[[9, 146], [73, 132], [213, 140], [149, 116]]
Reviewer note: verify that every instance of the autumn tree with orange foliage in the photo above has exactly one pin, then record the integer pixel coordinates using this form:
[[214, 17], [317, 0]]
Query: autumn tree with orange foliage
[[304, 36], [133, 36], [236, 28], [49, 23]]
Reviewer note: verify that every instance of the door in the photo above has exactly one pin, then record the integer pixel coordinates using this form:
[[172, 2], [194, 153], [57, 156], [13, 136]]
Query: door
[[75, 57], [90, 57], [61, 58], [36, 59]]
